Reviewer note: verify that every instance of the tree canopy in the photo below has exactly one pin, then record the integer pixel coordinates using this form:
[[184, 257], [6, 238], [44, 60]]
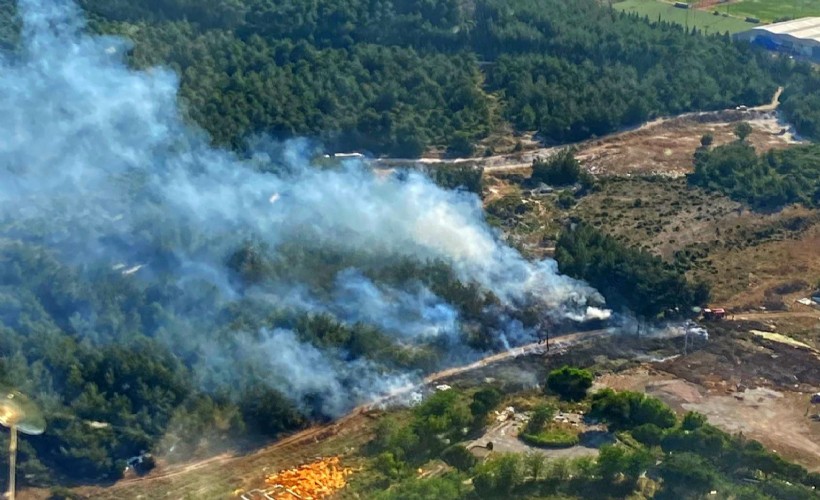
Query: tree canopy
[[395, 78], [569, 382], [765, 182], [627, 277]]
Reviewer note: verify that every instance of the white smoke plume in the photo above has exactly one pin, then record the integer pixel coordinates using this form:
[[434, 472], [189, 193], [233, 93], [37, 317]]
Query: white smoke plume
[[97, 162]]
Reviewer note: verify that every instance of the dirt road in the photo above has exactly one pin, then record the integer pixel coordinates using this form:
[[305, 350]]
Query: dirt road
[[773, 105], [557, 344], [354, 422], [504, 436], [523, 160], [762, 316]]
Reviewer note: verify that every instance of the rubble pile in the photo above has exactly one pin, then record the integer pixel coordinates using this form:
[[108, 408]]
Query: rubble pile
[[312, 481]]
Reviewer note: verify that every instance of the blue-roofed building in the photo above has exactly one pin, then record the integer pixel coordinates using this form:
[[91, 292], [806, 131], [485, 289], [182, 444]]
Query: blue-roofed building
[[798, 37]]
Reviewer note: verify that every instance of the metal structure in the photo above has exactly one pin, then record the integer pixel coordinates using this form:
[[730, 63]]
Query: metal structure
[[798, 37], [19, 414]]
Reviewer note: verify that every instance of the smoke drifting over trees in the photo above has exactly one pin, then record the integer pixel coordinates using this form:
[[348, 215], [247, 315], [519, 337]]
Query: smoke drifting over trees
[[122, 230]]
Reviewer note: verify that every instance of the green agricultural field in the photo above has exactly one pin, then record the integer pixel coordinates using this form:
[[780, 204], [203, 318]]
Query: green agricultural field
[[705, 21], [769, 10]]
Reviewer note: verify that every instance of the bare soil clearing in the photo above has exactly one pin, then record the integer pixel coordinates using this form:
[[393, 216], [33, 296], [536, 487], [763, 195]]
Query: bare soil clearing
[[666, 148]]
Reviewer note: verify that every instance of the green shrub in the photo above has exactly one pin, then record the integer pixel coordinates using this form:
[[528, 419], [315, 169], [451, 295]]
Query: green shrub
[[627, 410], [566, 200], [483, 402], [554, 437], [561, 169], [498, 476]]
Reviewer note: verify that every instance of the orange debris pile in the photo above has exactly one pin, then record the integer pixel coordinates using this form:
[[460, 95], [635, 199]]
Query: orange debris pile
[[312, 481]]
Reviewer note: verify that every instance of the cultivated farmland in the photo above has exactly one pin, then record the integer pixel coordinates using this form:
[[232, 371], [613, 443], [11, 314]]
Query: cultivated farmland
[[706, 21], [770, 10]]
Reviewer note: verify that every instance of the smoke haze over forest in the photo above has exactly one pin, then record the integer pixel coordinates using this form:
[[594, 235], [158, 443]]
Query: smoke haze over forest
[[99, 167]]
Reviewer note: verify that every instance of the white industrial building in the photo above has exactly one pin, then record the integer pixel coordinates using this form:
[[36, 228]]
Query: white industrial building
[[798, 37]]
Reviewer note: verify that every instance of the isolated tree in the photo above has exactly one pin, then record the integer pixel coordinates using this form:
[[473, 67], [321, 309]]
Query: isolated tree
[[498, 476], [627, 410], [461, 146], [566, 200], [393, 468], [447, 487], [442, 416], [652, 411], [400, 440], [570, 383], [637, 462], [559, 469], [611, 462], [742, 131], [466, 177], [560, 169], [648, 434]]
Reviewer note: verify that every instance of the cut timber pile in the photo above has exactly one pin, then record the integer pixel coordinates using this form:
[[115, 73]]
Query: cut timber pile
[[312, 481]]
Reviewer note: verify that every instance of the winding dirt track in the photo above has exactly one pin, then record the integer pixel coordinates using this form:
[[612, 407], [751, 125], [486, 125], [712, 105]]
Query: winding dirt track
[[522, 160]]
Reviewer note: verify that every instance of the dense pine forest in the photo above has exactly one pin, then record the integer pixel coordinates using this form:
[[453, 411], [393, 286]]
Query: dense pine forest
[[396, 78], [108, 355], [766, 182]]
